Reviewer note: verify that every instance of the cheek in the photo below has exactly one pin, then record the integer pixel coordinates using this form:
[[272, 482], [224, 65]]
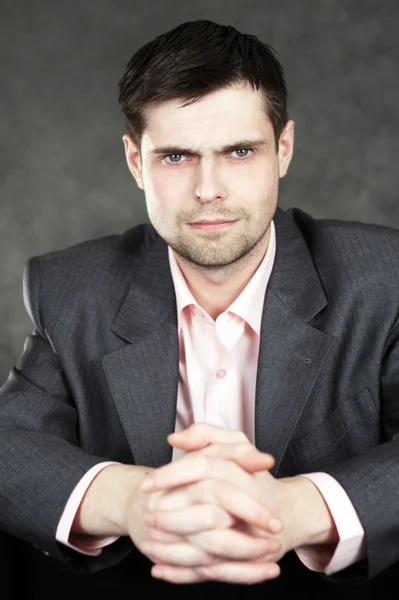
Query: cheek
[[165, 198], [161, 189], [259, 175], [256, 187], [267, 182]]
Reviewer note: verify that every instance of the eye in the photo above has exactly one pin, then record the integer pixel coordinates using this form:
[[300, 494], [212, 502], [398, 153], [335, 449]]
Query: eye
[[240, 150], [173, 161]]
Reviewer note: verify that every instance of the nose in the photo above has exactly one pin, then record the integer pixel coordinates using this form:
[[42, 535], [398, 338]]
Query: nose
[[209, 185]]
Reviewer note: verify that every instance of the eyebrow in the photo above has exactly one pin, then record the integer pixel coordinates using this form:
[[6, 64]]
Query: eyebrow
[[164, 150]]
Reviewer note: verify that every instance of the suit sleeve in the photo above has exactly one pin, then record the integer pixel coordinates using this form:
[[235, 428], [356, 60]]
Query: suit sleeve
[[40, 460], [372, 480]]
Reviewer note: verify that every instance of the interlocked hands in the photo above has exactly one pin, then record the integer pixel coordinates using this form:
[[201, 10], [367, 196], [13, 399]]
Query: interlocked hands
[[213, 513]]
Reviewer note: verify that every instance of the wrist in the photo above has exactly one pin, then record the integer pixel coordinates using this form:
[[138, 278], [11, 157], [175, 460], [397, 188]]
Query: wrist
[[308, 520], [107, 501], [123, 498]]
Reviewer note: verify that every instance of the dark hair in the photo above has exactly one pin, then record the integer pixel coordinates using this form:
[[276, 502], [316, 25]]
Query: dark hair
[[193, 60]]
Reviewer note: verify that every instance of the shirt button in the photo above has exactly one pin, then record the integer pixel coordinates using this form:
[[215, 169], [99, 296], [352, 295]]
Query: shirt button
[[221, 373]]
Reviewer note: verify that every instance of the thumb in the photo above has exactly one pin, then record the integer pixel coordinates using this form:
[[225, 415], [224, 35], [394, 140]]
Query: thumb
[[247, 456], [256, 461], [200, 435]]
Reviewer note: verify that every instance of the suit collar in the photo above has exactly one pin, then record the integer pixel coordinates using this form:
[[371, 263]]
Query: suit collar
[[150, 301], [294, 278]]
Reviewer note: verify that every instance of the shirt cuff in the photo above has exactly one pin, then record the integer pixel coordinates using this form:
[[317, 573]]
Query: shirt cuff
[[351, 546], [86, 544]]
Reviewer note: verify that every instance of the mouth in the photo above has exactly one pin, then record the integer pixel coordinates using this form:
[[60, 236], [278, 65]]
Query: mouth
[[207, 225]]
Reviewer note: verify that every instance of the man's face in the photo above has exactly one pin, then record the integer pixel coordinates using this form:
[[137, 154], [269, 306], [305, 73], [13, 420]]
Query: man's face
[[200, 163]]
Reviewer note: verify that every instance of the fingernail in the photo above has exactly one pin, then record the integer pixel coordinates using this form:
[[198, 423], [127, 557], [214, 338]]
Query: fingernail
[[273, 571], [156, 572]]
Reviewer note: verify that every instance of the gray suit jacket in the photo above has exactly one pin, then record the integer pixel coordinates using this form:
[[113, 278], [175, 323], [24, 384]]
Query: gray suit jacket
[[98, 377]]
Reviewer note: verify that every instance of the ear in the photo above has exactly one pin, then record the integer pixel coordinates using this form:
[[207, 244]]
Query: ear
[[133, 160], [286, 148]]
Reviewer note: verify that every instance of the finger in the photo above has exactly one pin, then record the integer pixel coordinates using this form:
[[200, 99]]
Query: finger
[[244, 573], [199, 467], [244, 454], [232, 572], [275, 526], [224, 494], [229, 544], [181, 554], [200, 435], [189, 520], [162, 536], [196, 467]]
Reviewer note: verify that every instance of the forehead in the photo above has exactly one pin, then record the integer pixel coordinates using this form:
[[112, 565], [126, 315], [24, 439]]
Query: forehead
[[228, 114]]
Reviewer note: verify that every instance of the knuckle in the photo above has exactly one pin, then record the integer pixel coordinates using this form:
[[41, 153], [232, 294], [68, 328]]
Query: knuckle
[[154, 499], [202, 464], [218, 545], [156, 521], [208, 488], [210, 543], [205, 572], [215, 572], [172, 501], [242, 437], [243, 448], [200, 430], [223, 492], [209, 519], [159, 504], [215, 517], [156, 535], [211, 449]]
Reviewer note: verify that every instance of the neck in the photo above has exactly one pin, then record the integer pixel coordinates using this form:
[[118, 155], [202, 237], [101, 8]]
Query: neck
[[216, 289]]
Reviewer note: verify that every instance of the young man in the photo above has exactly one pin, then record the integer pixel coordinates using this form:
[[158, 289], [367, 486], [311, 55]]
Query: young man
[[266, 340]]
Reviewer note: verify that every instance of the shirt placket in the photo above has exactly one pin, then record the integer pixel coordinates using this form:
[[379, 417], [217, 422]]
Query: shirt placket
[[223, 336]]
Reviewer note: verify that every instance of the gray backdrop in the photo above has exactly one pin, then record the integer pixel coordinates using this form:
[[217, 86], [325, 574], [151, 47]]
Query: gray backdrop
[[63, 176]]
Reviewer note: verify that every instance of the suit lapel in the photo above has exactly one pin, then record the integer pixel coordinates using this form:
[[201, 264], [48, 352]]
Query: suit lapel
[[291, 351], [143, 376]]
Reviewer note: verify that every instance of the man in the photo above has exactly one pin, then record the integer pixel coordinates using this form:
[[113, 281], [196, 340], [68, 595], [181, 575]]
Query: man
[[211, 397]]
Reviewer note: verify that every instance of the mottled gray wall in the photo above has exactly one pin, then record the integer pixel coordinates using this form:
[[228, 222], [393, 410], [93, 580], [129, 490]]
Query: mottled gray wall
[[62, 170]]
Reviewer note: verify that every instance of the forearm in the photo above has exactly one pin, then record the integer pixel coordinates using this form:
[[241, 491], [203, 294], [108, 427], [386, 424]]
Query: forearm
[[112, 493]]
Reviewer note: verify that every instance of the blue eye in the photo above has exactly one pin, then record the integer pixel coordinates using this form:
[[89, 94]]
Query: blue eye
[[173, 161], [171, 157], [243, 150]]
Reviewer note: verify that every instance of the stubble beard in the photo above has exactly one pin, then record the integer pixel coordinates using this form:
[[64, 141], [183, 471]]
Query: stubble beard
[[213, 252]]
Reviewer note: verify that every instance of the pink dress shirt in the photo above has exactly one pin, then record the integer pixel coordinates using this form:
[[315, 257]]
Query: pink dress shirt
[[217, 376]]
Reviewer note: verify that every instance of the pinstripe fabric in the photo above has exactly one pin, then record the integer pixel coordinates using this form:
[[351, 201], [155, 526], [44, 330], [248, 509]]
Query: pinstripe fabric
[[98, 376]]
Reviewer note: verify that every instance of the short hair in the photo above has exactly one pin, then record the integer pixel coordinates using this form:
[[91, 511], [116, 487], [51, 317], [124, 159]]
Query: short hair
[[193, 60]]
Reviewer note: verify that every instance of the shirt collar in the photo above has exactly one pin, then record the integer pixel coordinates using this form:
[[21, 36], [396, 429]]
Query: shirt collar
[[249, 304]]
